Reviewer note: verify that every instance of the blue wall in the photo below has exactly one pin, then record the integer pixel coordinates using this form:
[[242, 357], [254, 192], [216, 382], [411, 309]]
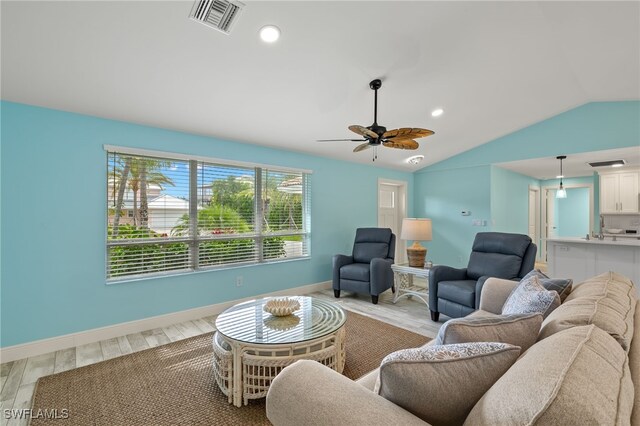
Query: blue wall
[[584, 215], [53, 172], [510, 200], [572, 217], [442, 195], [463, 180]]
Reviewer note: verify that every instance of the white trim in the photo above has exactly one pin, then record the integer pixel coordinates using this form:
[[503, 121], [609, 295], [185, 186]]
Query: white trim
[[537, 219], [187, 157], [39, 347]]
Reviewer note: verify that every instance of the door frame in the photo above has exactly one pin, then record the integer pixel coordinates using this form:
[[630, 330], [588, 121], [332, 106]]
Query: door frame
[[543, 211], [537, 224], [402, 185]]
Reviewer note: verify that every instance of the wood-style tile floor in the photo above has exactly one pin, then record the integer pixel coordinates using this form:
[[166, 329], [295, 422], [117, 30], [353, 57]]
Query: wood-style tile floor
[[18, 378]]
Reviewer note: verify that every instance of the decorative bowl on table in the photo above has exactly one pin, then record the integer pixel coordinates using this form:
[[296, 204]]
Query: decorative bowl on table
[[615, 231], [281, 307]]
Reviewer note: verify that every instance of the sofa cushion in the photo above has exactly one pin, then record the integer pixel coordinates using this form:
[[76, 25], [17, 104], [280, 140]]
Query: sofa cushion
[[610, 284], [530, 297], [441, 384], [561, 285], [462, 292], [579, 376], [518, 330], [634, 366], [608, 301], [355, 271]]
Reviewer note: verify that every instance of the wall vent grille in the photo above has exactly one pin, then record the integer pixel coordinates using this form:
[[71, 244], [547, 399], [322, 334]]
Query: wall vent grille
[[217, 14]]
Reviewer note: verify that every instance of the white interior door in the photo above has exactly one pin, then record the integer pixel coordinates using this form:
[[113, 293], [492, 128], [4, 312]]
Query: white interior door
[[534, 215], [389, 215], [549, 229], [552, 229]]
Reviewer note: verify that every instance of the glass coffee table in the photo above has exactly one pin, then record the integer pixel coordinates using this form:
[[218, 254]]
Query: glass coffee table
[[250, 346]]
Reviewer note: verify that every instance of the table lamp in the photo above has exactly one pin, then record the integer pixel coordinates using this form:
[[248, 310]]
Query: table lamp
[[416, 230]]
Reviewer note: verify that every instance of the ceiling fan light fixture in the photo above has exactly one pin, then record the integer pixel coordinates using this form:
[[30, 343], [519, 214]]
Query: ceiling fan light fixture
[[437, 112], [416, 159], [376, 135], [269, 33]]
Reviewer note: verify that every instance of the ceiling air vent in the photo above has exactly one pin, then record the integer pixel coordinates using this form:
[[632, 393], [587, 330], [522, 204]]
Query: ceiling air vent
[[217, 14], [612, 163]]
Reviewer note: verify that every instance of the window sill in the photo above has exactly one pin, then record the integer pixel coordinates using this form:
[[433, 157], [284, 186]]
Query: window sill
[[201, 271]]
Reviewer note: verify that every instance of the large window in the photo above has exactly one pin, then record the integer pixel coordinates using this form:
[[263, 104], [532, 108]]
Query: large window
[[172, 215]]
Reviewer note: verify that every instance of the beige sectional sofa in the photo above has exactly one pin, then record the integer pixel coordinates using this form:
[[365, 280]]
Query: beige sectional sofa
[[583, 370]]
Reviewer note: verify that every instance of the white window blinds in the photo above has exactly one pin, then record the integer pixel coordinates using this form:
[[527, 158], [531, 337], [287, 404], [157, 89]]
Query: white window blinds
[[177, 215]]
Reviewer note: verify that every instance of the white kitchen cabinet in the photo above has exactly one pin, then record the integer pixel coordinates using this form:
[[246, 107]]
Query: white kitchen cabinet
[[629, 192], [619, 192]]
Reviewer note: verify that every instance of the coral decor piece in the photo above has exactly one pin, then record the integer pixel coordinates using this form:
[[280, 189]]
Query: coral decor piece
[[281, 307]]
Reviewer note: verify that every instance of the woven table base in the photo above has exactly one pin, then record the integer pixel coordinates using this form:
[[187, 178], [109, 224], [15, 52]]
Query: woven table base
[[174, 384]]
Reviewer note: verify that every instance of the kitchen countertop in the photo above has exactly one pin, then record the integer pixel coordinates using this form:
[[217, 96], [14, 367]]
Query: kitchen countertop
[[607, 241]]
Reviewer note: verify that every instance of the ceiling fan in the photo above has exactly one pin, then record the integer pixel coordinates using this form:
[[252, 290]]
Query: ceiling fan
[[376, 135]]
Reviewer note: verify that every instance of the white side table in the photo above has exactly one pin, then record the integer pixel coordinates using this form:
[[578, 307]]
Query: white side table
[[403, 277]]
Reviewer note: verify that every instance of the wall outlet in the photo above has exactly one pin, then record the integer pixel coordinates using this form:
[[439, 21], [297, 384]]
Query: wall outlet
[[239, 281], [478, 222]]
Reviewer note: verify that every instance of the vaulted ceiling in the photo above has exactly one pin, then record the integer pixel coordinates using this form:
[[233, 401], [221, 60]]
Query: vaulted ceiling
[[494, 67]]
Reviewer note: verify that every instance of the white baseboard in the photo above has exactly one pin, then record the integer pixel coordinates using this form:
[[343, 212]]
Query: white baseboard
[[39, 347]]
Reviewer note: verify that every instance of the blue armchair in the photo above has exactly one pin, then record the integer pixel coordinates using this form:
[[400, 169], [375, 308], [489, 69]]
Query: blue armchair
[[456, 292], [368, 269]]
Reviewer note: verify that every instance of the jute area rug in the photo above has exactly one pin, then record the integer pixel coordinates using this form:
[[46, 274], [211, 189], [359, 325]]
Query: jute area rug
[[173, 384]]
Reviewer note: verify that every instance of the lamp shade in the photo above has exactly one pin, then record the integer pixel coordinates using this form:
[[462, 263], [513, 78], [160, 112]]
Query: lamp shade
[[416, 229]]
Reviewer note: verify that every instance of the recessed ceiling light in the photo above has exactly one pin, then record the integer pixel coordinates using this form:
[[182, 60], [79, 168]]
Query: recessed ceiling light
[[269, 33], [437, 112], [559, 176], [415, 159], [617, 165]]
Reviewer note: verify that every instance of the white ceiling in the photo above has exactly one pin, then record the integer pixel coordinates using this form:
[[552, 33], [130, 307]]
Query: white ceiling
[[495, 67], [574, 165]]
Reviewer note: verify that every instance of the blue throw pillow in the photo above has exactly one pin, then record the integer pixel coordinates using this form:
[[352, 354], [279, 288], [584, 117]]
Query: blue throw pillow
[[560, 285]]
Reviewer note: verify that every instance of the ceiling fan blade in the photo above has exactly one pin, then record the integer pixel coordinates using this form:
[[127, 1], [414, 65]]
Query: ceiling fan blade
[[401, 143], [338, 140], [407, 132], [361, 147], [361, 130]]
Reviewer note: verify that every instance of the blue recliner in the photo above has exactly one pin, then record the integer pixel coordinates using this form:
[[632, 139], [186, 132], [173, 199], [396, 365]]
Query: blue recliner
[[368, 269], [456, 292]]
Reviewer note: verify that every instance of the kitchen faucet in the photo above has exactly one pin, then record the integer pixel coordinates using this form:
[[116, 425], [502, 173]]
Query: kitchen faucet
[[601, 234]]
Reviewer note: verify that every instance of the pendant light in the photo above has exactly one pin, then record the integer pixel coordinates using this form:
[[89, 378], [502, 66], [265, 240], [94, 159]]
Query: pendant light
[[561, 192]]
